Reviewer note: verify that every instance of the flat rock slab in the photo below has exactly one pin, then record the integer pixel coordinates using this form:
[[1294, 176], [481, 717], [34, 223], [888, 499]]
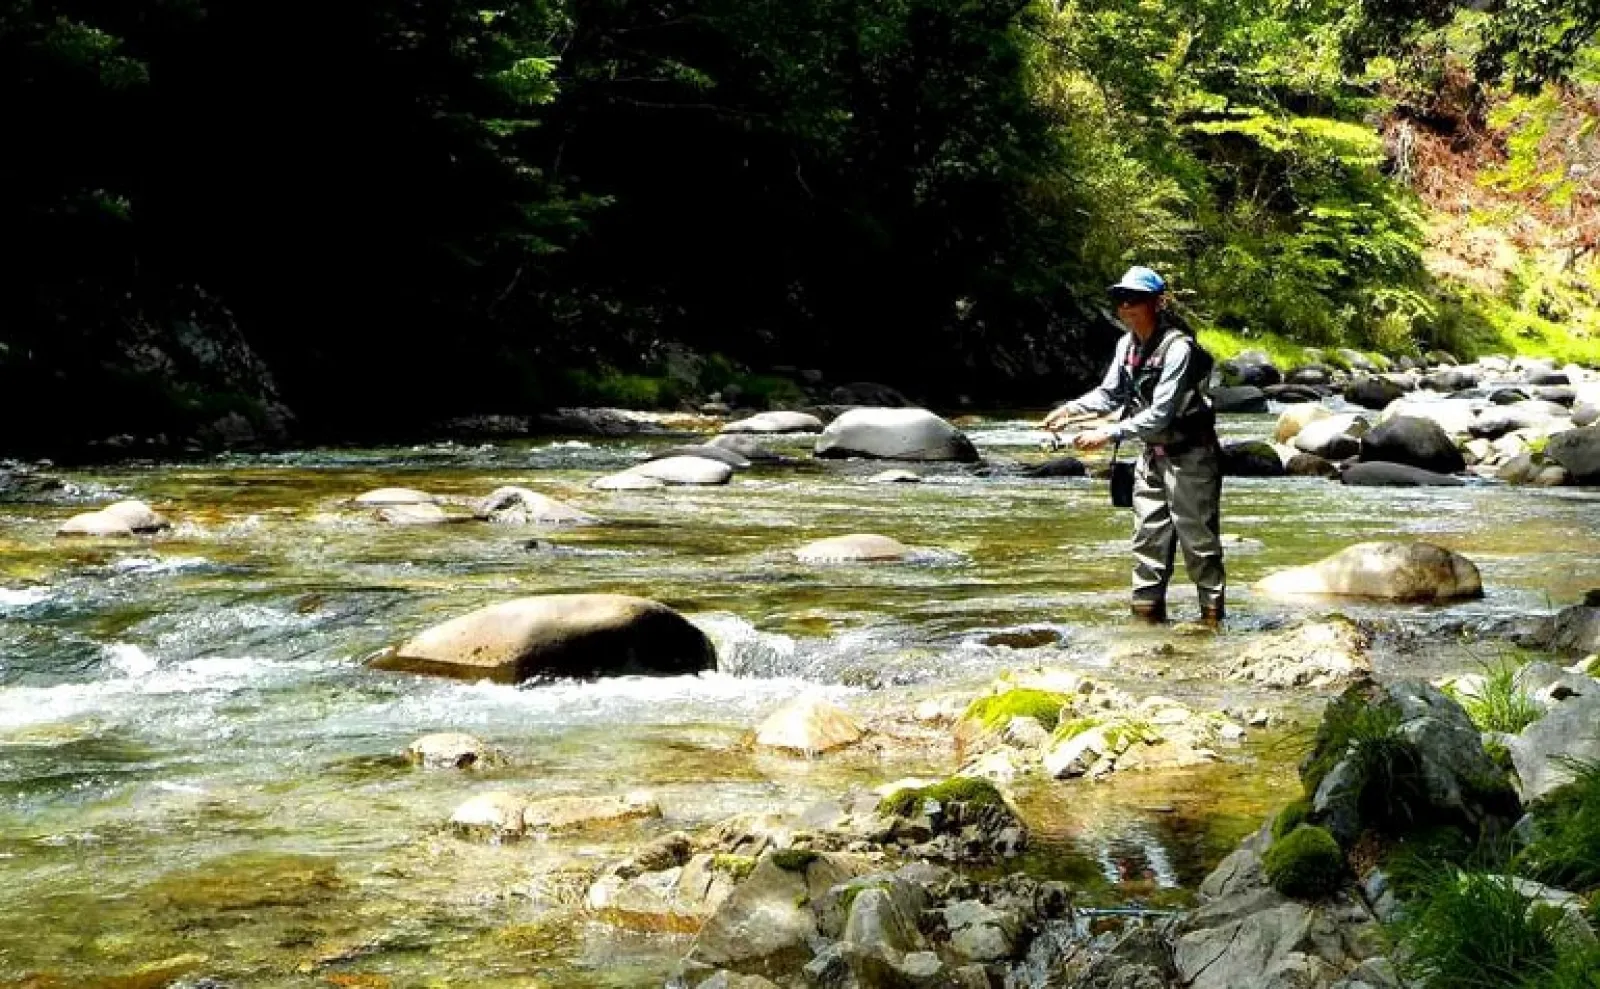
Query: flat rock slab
[[684, 470], [1379, 474], [808, 726], [575, 813], [121, 519], [557, 635]]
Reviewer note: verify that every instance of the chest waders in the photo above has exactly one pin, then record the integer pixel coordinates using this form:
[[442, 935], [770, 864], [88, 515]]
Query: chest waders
[[1177, 486]]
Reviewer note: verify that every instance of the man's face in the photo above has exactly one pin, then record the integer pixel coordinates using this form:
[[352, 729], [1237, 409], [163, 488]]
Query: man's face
[[1137, 311]]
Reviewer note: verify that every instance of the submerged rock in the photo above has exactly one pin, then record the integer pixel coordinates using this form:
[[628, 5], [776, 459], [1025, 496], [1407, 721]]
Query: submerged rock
[[1380, 474], [894, 434], [1313, 654], [447, 750], [776, 422], [708, 451], [855, 548], [1390, 571], [574, 813], [124, 518], [495, 815], [684, 470], [808, 726], [422, 513], [393, 496], [512, 505], [556, 635], [627, 481]]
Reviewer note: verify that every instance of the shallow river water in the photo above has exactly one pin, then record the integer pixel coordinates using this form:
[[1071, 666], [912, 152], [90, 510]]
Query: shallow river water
[[198, 774]]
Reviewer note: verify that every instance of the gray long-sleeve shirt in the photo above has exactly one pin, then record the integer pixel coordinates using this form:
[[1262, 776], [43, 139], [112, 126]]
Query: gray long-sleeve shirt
[[1116, 390]]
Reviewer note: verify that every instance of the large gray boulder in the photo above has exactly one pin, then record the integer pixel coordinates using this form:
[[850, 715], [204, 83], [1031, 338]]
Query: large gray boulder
[[1391, 571], [1429, 767], [1577, 631], [1246, 935], [1413, 441], [1543, 754], [556, 635], [1577, 450], [1455, 418], [767, 926], [894, 434]]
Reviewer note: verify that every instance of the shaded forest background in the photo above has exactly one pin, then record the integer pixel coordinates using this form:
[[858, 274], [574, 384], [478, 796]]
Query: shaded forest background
[[384, 213]]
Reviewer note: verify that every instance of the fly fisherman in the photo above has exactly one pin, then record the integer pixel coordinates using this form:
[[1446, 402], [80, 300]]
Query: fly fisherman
[[1158, 378]]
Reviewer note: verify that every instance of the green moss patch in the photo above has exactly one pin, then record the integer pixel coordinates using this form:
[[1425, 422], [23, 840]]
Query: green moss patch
[[967, 790], [997, 710], [1291, 817], [793, 859], [1307, 863], [736, 866]]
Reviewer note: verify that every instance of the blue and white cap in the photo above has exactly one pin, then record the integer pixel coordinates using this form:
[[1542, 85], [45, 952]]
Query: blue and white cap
[[1139, 279]]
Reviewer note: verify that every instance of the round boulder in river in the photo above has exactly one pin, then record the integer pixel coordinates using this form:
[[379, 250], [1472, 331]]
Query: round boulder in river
[[1296, 418], [685, 470], [1390, 571], [124, 518], [1239, 398], [1577, 450], [776, 422], [894, 434], [512, 505], [1414, 441], [856, 548], [557, 635], [447, 750]]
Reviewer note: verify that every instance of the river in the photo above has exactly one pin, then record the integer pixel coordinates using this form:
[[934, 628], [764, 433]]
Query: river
[[198, 774]]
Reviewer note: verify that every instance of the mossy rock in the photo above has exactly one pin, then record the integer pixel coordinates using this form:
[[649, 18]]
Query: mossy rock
[[737, 866], [1074, 727], [794, 859], [997, 710], [1307, 863], [968, 790], [1291, 817]]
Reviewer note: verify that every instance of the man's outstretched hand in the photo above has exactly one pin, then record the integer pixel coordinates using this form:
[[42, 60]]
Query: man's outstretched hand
[[1091, 439], [1057, 420]]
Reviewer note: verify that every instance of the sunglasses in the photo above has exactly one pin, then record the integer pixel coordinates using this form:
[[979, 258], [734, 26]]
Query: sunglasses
[[1130, 299]]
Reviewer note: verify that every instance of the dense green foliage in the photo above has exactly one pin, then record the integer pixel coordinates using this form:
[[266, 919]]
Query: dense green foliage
[[1566, 851], [1386, 767], [416, 210]]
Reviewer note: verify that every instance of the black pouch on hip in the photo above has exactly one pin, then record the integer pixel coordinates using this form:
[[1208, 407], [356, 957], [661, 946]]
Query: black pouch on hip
[[1121, 480]]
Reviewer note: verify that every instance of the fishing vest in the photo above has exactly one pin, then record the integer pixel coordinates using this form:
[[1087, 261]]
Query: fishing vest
[[1195, 422]]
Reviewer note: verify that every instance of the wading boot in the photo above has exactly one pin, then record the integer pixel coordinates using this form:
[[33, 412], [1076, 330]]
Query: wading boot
[[1152, 612], [1211, 617]]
